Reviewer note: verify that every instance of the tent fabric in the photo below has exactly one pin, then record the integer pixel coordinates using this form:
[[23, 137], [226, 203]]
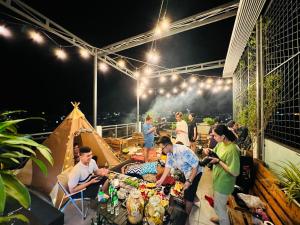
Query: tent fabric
[[60, 142]]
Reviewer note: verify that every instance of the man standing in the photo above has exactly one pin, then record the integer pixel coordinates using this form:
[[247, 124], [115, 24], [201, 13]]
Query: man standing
[[181, 130], [192, 131], [86, 174], [182, 158]]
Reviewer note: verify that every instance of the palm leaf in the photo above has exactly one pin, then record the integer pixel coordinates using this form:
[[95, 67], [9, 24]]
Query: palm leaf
[[41, 165], [2, 195], [11, 112], [6, 219], [15, 189]]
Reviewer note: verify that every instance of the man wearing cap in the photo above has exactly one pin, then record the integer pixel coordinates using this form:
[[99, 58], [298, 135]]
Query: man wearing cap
[[182, 158]]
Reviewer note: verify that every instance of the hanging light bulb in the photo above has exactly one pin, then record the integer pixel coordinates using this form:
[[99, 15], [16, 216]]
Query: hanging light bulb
[[189, 88], [121, 63], [153, 56], [168, 95], [150, 91], [60, 53], [136, 74], [162, 79], [147, 70], [228, 81], [209, 80], [103, 67], [199, 92], [175, 90], [193, 80], [201, 84], [226, 88], [157, 31], [144, 96], [36, 37], [145, 81], [174, 77], [161, 91], [182, 94], [5, 32], [219, 81], [208, 86], [184, 84], [84, 53], [165, 24]]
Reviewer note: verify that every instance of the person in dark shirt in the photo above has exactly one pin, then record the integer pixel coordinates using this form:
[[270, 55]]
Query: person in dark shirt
[[192, 128], [211, 141], [241, 133]]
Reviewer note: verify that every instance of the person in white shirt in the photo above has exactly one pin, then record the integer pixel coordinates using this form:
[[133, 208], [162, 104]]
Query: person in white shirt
[[86, 174], [182, 130]]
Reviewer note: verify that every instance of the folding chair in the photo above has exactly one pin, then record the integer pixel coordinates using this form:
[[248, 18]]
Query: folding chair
[[62, 181]]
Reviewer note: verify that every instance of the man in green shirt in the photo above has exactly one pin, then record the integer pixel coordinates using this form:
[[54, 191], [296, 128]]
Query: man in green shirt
[[225, 170]]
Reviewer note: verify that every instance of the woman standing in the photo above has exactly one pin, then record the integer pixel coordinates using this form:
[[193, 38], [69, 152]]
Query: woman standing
[[182, 130], [225, 170], [148, 131]]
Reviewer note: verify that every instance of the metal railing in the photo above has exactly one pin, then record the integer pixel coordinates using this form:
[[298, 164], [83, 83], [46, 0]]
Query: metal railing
[[118, 130]]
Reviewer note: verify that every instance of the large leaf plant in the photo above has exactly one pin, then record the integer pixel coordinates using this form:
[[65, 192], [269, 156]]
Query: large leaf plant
[[16, 148]]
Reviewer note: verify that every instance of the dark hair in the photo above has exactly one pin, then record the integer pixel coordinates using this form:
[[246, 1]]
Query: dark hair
[[223, 130], [192, 115], [84, 149], [230, 123], [179, 114], [74, 144], [165, 140], [179, 143], [217, 120]]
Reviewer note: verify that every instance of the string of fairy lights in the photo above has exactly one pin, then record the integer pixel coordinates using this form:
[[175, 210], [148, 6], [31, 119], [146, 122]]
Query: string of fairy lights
[[194, 83]]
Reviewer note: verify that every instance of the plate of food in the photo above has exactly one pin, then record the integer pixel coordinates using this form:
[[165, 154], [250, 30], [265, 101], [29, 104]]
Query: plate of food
[[151, 185], [176, 190]]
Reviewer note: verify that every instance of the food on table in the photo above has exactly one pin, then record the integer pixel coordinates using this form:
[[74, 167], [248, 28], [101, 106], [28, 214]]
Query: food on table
[[135, 207], [132, 182], [178, 186], [154, 211], [150, 185], [111, 176], [164, 203], [125, 150], [177, 189]]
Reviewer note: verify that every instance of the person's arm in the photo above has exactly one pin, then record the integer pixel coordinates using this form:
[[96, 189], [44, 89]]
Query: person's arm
[[82, 186], [195, 133], [102, 172], [163, 177], [190, 180]]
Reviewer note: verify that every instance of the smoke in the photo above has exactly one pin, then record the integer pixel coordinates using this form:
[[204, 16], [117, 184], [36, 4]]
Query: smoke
[[208, 103]]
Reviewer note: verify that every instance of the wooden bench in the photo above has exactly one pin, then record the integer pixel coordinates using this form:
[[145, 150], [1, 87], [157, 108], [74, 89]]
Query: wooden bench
[[278, 209]]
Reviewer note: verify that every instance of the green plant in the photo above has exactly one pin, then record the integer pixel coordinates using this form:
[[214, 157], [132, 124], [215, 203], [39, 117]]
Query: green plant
[[14, 148], [289, 179], [210, 121], [185, 117], [173, 126]]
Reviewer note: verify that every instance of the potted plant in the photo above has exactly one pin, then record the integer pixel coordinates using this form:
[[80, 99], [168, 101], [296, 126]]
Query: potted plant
[[14, 148], [289, 180], [208, 120]]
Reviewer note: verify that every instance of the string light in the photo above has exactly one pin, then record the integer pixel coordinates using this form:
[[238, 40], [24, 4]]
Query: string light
[[147, 70], [168, 95], [209, 80], [153, 56], [208, 86], [199, 92], [201, 84], [165, 24], [103, 67], [150, 91], [175, 90], [161, 91], [182, 94], [157, 31], [162, 79], [5, 32], [219, 81], [193, 80], [229, 81], [174, 77], [189, 88], [36, 37], [144, 96], [121, 63], [84, 53], [226, 88], [136, 74], [145, 81], [184, 85], [60, 53]]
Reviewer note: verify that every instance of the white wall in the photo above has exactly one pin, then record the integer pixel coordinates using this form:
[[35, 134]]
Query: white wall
[[275, 152]]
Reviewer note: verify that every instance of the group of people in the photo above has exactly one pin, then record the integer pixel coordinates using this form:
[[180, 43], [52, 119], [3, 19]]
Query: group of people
[[179, 155]]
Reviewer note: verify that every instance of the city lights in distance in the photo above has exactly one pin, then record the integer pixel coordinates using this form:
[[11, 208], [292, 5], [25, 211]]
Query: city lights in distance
[[103, 67], [84, 53], [60, 54], [5, 32], [36, 37]]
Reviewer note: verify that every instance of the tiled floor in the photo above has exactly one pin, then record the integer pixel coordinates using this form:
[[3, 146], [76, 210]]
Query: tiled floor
[[198, 216]]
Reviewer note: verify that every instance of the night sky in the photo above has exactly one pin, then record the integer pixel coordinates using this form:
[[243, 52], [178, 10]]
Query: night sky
[[34, 80]]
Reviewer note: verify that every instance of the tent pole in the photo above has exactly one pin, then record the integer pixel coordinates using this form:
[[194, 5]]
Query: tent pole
[[95, 91], [137, 103]]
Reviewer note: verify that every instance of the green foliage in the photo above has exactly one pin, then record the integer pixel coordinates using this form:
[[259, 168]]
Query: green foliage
[[173, 126], [289, 179], [208, 120], [14, 148], [185, 117]]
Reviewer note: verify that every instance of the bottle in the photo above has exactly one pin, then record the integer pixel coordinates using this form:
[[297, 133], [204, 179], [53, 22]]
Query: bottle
[[115, 198], [100, 194]]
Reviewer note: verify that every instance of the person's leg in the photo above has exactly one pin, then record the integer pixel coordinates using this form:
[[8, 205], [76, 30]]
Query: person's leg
[[188, 209], [146, 154], [220, 206]]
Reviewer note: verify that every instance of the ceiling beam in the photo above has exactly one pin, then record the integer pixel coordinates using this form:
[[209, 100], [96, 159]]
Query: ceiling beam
[[189, 69], [209, 16], [45, 23]]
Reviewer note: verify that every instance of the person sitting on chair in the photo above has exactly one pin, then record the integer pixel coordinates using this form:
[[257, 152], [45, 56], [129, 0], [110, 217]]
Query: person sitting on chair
[[86, 174]]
